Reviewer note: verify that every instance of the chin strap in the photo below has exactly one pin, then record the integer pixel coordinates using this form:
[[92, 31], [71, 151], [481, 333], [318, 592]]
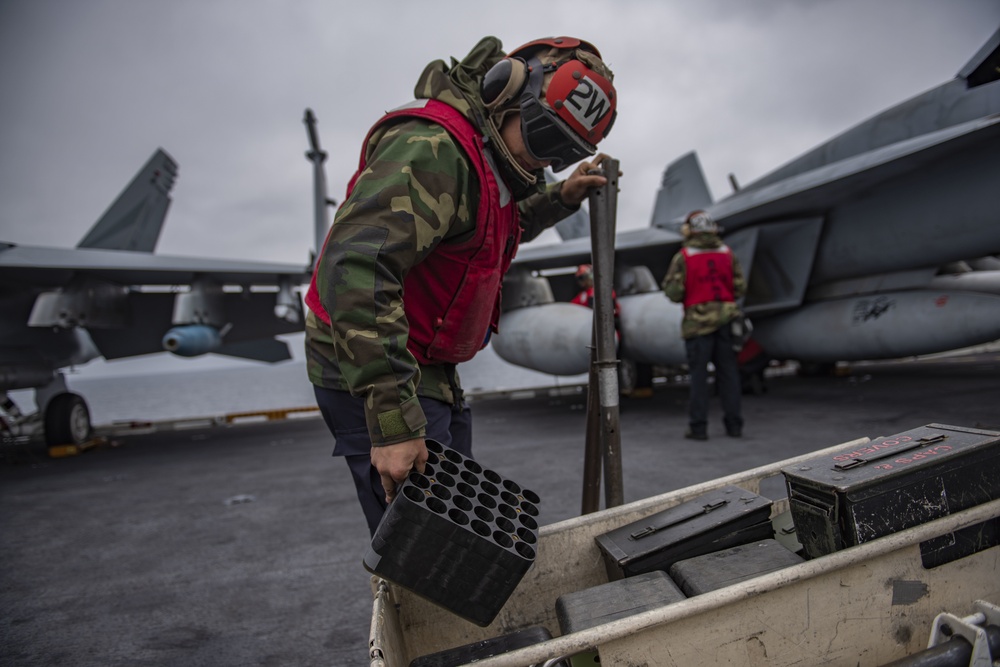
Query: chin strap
[[516, 169]]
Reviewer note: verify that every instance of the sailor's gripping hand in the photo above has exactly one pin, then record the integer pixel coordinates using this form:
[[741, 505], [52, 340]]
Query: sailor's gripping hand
[[575, 187], [394, 463]]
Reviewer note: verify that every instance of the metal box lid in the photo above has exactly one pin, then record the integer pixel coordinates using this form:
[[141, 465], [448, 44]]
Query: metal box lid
[[722, 512], [934, 446]]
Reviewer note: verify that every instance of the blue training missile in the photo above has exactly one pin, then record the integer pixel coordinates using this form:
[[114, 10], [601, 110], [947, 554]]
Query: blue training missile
[[192, 340]]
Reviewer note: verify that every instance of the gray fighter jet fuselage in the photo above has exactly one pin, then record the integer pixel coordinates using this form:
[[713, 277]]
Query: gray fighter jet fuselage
[[850, 250]]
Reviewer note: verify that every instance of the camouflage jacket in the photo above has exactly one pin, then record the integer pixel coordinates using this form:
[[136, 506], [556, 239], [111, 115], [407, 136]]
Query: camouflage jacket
[[417, 191], [703, 318]]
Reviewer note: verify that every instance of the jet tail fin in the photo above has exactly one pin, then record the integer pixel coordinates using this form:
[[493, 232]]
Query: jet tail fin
[[683, 189], [134, 220], [574, 226], [985, 65]]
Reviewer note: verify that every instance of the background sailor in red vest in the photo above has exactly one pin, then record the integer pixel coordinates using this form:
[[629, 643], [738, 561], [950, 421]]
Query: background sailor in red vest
[[706, 277], [585, 281], [585, 297], [408, 282]]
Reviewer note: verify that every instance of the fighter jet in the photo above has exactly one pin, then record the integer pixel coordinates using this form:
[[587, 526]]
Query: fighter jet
[[850, 250], [112, 297]]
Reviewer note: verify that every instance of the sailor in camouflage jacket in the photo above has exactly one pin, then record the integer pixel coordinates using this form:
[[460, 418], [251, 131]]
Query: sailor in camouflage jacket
[[416, 192]]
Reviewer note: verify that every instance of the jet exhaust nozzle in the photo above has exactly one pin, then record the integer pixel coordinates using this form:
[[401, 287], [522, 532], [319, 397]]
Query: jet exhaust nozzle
[[192, 340]]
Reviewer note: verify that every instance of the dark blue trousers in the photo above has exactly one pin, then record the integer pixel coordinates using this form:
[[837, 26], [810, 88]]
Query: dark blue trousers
[[345, 417], [716, 347]]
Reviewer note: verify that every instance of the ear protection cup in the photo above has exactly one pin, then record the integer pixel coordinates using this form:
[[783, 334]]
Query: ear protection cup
[[503, 83]]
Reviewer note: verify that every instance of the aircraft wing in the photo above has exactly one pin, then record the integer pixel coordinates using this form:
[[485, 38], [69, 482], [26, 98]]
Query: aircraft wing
[[248, 317], [133, 321], [128, 301], [113, 296], [631, 247], [818, 189], [47, 267]]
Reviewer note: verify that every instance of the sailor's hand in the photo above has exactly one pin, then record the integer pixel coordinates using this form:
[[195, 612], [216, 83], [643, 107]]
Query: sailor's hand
[[394, 463], [575, 187]]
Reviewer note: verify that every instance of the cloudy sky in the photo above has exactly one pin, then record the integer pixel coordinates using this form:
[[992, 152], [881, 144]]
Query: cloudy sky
[[91, 88]]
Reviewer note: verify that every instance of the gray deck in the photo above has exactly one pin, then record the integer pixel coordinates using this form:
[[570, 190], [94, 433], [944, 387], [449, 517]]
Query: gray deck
[[242, 545]]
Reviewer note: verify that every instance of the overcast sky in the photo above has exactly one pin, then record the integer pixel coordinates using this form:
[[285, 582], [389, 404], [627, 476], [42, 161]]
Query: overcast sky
[[91, 88]]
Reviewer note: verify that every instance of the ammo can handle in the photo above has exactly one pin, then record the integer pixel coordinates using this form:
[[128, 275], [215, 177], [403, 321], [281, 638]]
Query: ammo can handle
[[705, 509], [854, 463]]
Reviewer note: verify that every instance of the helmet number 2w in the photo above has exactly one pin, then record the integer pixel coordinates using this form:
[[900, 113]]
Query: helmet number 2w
[[588, 104]]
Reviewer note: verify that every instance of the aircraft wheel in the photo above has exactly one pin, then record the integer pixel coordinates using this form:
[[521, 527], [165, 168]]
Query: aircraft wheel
[[67, 420]]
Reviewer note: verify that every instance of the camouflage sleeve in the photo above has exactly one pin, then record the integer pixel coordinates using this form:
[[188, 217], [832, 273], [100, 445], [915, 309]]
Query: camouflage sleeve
[[739, 282], [542, 210], [673, 282], [413, 193]]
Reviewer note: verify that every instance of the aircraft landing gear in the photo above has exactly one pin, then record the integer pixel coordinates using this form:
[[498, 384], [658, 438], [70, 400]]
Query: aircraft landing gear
[[10, 414], [62, 415], [61, 419], [67, 420]]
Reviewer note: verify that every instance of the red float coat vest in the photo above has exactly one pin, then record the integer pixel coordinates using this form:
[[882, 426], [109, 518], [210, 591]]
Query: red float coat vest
[[709, 275], [452, 298], [586, 298]]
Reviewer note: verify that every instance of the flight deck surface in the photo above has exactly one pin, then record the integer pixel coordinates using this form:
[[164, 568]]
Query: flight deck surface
[[243, 545]]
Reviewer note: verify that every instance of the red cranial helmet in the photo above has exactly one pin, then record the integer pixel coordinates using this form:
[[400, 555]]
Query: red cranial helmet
[[564, 93]]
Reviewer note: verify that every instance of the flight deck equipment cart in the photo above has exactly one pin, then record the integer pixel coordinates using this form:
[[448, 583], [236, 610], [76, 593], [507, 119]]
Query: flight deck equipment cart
[[864, 605]]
